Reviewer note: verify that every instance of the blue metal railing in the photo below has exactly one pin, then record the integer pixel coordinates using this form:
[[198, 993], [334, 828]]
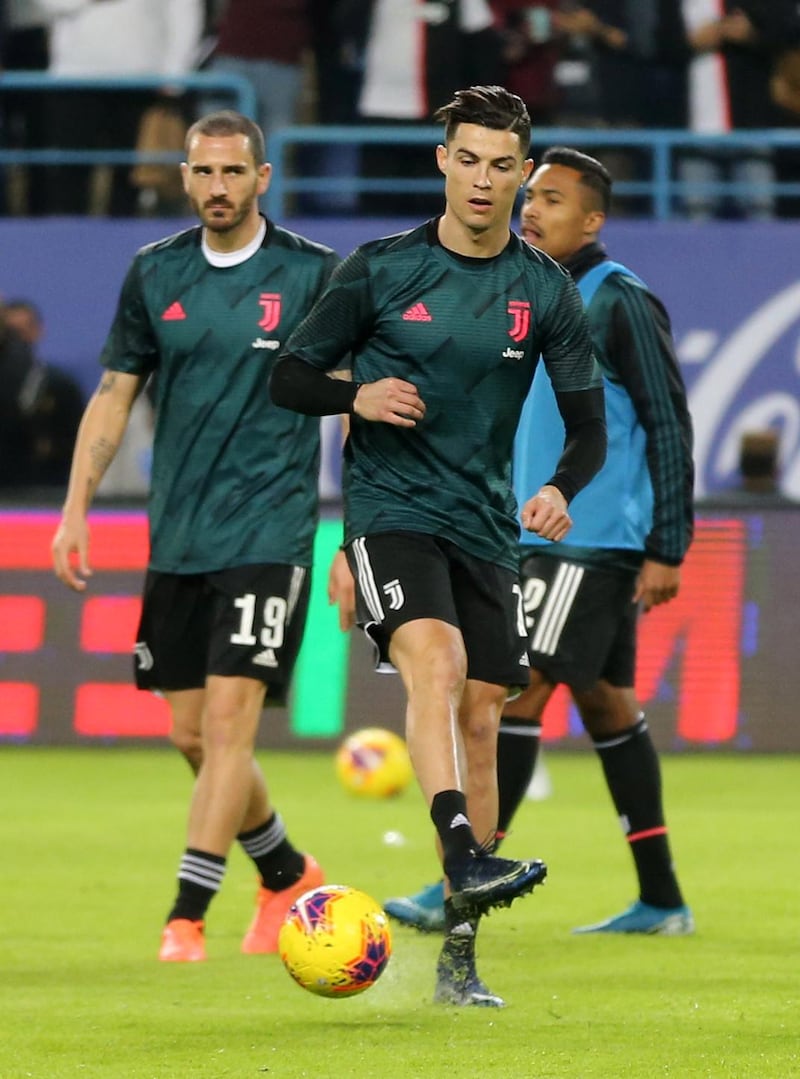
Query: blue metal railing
[[663, 188], [208, 84]]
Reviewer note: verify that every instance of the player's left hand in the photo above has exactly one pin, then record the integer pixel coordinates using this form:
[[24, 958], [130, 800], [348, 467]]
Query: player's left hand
[[656, 584], [342, 590], [546, 514]]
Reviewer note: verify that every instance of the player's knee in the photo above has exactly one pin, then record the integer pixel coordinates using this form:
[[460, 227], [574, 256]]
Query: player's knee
[[606, 710], [527, 706], [231, 714], [189, 745], [435, 665], [480, 713], [449, 663]]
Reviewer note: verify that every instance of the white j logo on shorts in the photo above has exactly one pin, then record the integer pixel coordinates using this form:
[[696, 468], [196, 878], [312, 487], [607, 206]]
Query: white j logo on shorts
[[393, 589]]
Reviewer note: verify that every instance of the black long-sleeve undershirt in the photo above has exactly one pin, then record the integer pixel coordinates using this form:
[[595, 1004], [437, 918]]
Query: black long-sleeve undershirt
[[303, 388], [584, 453]]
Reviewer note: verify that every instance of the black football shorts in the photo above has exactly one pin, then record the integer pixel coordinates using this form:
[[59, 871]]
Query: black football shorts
[[242, 622], [581, 620], [403, 576]]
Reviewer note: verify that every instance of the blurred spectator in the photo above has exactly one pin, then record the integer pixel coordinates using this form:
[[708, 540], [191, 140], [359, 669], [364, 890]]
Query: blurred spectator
[[162, 129], [338, 39], [758, 461], [416, 56], [16, 364], [24, 48], [114, 39], [785, 91], [624, 65], [265, 41], [735, 45], [785, 82], [532, 39], [759, 470], [25, 320], [44, 408], [638, 59], [40, 407], [338, 49]]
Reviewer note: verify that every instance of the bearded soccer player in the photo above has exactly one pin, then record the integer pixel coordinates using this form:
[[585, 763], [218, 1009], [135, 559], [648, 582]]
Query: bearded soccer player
[[633, 526], [233, 507], [445, 325]]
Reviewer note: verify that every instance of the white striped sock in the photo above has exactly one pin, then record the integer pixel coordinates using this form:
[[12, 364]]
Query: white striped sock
[[266, 838], [202, 871]]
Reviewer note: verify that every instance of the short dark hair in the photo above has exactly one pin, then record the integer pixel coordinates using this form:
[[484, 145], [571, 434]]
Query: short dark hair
[[594, 174], [23, 305], [490, 106], [225, 123]]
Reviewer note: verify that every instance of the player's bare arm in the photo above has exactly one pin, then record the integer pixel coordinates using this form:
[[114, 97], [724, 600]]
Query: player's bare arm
[[656, 584], [546, 514], [389, 400], [99, 436]]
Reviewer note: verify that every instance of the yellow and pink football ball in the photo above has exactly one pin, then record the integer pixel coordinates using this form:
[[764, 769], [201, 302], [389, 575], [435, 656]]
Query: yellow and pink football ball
[[374, 762], [335, 941]]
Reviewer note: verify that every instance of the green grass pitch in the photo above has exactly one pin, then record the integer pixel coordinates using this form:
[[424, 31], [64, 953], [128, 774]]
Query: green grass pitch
[[90, 842]]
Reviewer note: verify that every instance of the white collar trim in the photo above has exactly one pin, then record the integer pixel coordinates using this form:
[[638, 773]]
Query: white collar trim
[[223, 259]]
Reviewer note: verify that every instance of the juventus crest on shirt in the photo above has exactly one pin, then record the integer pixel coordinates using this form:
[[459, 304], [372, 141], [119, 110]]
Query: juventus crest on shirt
[[231, 471], [468, 333]]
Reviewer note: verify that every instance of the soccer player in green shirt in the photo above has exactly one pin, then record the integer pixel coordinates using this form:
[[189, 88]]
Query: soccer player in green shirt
[[233, 507], [445, 325]]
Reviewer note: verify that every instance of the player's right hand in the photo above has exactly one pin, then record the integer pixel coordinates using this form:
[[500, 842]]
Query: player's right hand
[[389, 400], [72, 537]]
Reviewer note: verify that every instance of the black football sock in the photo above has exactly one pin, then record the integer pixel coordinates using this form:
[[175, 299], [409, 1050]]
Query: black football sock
[[517, 750], [199, 879], [277, 861], [460, 930], [633, 775], [455, 918], [449, 815]]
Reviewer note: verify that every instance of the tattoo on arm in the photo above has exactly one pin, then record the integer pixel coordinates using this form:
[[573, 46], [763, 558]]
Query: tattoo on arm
[[102, 453], [107, 382]]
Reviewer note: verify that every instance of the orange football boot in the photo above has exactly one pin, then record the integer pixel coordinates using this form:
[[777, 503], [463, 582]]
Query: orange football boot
[[182, 942], [272, 907]]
